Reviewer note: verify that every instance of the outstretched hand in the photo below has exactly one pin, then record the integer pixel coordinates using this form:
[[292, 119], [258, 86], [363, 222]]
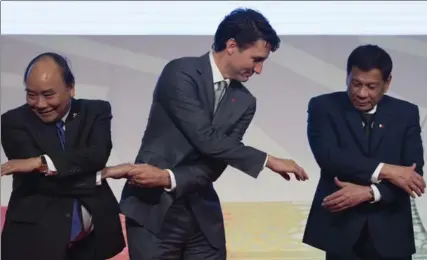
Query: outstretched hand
[[285, 167]]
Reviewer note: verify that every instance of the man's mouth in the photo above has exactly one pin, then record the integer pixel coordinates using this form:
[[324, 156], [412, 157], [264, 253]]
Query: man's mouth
[[44, 112]]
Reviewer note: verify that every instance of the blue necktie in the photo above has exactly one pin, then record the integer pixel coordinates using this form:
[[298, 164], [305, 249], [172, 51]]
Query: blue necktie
[[76, 224]]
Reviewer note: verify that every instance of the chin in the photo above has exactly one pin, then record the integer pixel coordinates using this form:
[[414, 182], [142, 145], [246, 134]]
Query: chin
[[242, 79], [47, 119], [364, 108]]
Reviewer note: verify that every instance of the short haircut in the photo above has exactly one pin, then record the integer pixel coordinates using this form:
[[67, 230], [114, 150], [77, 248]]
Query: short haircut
[[245, 26], [67, 74], [369, 57]]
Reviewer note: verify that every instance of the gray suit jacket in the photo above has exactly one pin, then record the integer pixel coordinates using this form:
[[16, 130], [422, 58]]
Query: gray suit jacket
[[183, 134]]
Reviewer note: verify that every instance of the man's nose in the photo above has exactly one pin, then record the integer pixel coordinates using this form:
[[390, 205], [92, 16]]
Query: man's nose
[[258, 68], [41, 103], [363, 92]]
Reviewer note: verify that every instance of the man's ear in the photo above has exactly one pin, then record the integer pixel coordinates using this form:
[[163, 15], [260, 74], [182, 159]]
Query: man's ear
[[387, 83]]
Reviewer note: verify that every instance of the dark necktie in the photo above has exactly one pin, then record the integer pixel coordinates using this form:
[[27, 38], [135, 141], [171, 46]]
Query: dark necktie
[[367, 119], [76, 224]]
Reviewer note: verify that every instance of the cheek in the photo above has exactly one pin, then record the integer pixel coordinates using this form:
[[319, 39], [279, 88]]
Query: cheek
[[53, 102]]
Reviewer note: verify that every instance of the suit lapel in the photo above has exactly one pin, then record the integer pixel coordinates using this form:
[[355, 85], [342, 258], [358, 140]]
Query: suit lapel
[[230, 104], [73, 123], [205, 70], [224, 108], [355, 123], [45, 135], [356, 127], [381, 124]]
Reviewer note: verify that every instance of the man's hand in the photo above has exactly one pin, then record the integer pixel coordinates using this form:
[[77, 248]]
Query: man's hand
[[286, 166], [404, 177], [146, 175], [348, 196], [118, 171], [21, 166]]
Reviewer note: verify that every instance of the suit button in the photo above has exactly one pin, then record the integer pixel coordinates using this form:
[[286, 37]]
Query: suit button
[[68, 215]]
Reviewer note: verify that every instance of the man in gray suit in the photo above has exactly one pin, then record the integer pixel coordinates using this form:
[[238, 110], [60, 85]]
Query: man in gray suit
[[199, 114]]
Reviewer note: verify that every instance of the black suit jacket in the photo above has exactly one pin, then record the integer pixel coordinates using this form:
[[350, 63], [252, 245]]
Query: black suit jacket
[[183, 134], [342, 150], [39, 211]]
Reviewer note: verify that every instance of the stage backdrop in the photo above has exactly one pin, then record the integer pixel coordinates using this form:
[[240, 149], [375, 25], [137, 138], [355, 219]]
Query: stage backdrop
[[264, 218]]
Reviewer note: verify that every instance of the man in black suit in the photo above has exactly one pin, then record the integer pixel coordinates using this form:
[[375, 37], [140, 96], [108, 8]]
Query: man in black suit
[[199, 114], [57, 146], [368, 146]]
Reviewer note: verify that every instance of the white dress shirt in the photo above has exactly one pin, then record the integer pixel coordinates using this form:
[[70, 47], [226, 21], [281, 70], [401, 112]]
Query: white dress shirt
[[86, 216], [217, 78]]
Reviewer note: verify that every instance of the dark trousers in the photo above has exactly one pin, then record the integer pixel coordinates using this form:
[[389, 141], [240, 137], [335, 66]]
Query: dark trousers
[[364, 249], [179, 238], [35, 248], [82, 250]]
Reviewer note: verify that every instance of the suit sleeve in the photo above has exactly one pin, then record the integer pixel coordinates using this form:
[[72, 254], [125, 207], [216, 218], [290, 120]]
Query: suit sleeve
[[412, 153], [190, 178], [178, 94], [94, 156], [18, 144], [331, 158]]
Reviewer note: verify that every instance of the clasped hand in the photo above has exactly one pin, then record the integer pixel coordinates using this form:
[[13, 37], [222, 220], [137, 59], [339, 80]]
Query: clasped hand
[[349, 195], [20, 166], [139, 174]]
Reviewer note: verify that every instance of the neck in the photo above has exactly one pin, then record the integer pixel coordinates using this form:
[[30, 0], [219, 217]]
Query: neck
[[220, 59]]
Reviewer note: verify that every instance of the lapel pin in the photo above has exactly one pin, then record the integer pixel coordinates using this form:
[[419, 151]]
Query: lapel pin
[[381, 125], [233, 100], [74, 115]]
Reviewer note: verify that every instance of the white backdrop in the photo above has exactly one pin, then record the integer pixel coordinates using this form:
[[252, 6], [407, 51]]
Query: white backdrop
[[123, 69]]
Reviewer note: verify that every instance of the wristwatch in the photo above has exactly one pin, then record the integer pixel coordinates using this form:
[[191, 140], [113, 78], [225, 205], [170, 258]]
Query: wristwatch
[[371, 191], [43, 167]]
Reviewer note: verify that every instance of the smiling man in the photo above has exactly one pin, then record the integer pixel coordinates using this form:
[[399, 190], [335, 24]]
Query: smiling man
[[198, 117], [57, 145], [368, 146]]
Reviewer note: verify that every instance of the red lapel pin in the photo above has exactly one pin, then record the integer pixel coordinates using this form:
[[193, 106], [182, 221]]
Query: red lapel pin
[[381, 125], [233, 100]]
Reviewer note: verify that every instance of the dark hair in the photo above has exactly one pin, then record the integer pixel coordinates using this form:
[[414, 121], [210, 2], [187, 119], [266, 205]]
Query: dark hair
[[245, 26], [369, 57], [67, 75]]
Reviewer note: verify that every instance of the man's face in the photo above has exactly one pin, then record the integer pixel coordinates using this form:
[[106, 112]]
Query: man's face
[[243, 63], [366, 88], [47, 94]]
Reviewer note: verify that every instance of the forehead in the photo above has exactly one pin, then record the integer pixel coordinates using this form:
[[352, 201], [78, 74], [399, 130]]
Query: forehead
[[259, 49], [366, 76], [44, 75]]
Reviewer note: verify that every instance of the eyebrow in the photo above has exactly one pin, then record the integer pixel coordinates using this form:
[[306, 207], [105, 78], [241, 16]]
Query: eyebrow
[[43, 92]]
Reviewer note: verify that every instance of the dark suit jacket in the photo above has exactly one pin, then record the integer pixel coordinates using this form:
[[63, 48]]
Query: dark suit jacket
[[341, 149], [38, 219], [183, 134]]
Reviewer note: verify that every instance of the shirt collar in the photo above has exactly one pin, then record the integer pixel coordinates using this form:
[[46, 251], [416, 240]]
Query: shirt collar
[[216, 74], [64, 118], [373, 110]]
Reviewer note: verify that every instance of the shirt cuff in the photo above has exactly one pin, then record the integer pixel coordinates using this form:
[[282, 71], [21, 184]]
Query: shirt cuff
[[173, 181], [98, 178], [265, 162], [377, 194], [50, 166], [374, 178]]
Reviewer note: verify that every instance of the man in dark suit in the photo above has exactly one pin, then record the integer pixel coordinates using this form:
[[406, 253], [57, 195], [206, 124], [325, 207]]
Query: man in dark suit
[[368, 146], [199, 114], [57, 146]]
